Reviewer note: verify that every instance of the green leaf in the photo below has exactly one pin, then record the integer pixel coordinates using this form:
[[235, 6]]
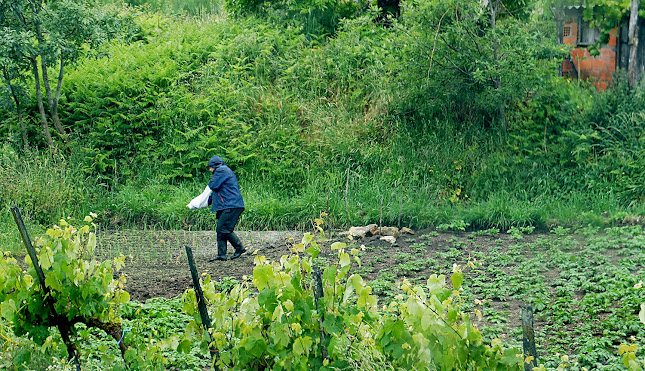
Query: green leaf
[[437, 286], [344, 259], [436, 283], [329, 275], [298, 247], [262, 275], [302, 345], [428, 319], [338, 245], [453, 315], [394, 335], [415, 309], [313, 250], [184, 346], [189, 302], [52, 281], [333, 324], [46, 258], [254, 344], [22, 358], [122, 297], [457, 279], [512, 357], [306, 239], [280, 335], [354, 282], [641, 315], [268, 299], [8, 310]]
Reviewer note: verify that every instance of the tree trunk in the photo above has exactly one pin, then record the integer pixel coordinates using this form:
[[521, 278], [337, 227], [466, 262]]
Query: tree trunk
[[113, 329], [16, 100], [41, 106], [633, 42], [59, 85], [494, 6], [33, 59], [21, 120], [53, 106]]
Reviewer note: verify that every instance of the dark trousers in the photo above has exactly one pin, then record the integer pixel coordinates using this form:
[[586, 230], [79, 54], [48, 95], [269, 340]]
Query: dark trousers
[[226, 221]]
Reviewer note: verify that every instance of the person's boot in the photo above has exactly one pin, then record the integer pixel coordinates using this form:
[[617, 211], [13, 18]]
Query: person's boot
[[221, 251], [237, 244]]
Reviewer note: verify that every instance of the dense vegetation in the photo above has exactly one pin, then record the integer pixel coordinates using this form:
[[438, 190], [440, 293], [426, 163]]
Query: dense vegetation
[[428, 113], [437, 114]]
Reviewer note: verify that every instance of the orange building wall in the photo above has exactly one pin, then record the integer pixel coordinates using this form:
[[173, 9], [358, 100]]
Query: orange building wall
[[598, 69]]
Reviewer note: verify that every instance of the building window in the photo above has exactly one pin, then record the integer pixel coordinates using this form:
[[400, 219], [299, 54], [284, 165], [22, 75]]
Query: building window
[[587, 35], [566, 32]]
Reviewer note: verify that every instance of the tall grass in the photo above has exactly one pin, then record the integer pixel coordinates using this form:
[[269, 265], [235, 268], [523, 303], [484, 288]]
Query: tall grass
[[9, 234], [193, 8], [316, 125], [45, 185]]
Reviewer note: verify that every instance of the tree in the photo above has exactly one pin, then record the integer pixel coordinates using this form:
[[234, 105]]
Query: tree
[[313, 17], [472, 60], [13, 72], [494, 8], [53, 34]]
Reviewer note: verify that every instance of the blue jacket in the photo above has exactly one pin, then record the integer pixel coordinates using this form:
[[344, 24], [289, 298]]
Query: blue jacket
[[223, 183]]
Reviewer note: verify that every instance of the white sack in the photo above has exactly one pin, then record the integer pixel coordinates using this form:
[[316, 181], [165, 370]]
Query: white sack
[[200, 201]]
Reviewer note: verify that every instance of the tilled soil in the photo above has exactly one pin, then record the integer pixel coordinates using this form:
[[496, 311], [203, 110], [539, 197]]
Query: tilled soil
[[158, 266]]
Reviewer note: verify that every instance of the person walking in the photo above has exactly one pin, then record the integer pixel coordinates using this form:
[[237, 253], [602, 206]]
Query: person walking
[[228, 204]]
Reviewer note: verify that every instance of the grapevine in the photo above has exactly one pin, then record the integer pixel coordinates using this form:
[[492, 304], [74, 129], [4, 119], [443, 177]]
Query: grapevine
[[79, 289], [271, 321]]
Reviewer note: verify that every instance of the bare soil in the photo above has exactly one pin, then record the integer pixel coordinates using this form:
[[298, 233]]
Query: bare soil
[[159, 267], [158, 263]]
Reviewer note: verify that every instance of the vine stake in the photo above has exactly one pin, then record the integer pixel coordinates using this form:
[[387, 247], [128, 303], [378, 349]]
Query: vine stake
[[528, 340], [61, 321], [201, 302], [346, 198], [318, 294]]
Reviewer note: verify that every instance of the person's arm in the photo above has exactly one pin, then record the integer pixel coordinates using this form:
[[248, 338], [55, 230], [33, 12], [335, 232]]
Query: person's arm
[[217, 180]]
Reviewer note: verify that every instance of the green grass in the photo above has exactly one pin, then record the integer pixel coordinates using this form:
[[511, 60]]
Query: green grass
[[47, 190]]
